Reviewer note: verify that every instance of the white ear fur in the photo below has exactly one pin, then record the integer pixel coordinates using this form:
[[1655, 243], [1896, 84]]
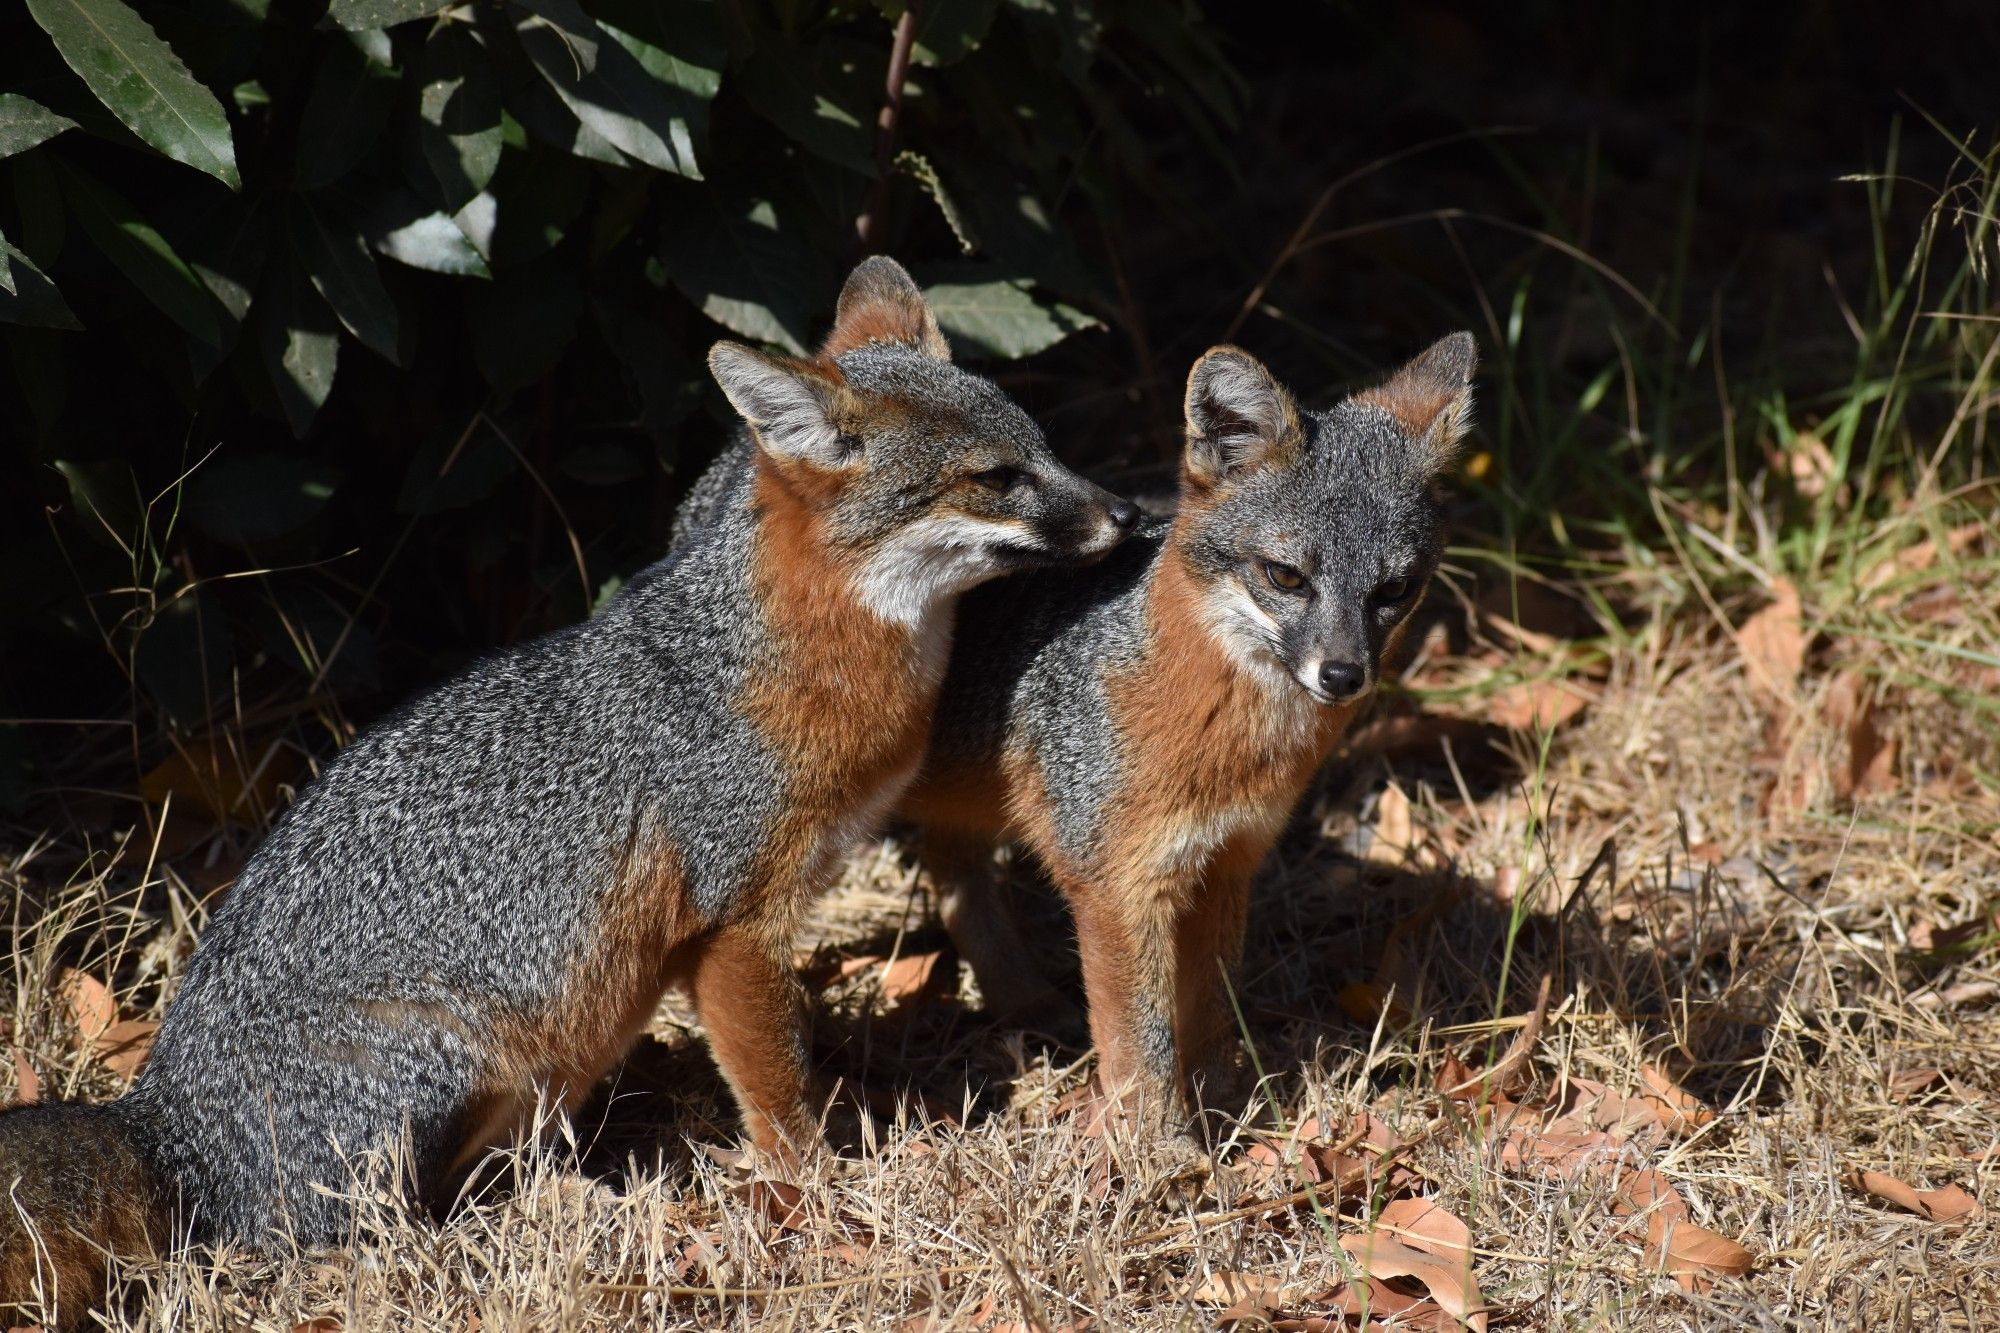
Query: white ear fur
[[789, 405], [1238, 415]]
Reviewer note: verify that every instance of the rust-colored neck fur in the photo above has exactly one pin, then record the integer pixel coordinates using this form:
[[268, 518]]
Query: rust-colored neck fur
[[1199, 715], [844, 696]]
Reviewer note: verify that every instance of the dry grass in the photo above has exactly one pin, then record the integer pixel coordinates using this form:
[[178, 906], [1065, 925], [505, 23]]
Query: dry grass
[[1679, 859]]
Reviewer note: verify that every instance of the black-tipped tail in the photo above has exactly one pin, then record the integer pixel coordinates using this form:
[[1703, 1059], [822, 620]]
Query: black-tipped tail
[[74, 1186]]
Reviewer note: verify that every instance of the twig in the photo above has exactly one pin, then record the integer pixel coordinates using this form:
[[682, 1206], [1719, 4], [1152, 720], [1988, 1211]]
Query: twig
[[764, 1293], [868, 226], [1341, 1183]]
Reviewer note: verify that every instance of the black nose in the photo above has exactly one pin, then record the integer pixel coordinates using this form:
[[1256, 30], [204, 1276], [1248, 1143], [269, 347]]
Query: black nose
[[1124, 514], [1342, 680]]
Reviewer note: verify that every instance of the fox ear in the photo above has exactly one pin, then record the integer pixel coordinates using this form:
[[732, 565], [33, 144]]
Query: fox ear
[[1238, 416], [881, 303], [1431, 397], [789, 404]]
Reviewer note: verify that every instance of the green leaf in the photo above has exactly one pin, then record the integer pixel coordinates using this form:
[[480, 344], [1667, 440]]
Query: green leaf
[[732, 259], [535, 197], [950, 30], [357, 14], [33, 300], [349, 103], [344, 273], [459, 113], [229, 258], [823, 96], [991, 316], [300, 341], [141, 254], [253, 498], [6, 268], [534, 104], [44, 222], [404, 228], [142, 81], [633, 98], [25, 123], [524, 321], [579, 31]]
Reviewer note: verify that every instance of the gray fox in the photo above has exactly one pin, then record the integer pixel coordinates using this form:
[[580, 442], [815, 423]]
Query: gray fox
[[1146, 725], [479, 903]]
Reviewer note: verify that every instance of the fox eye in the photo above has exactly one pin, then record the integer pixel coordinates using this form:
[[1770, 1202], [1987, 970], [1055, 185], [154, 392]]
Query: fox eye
[[1392, 591], [1283, 577], [1000, 480]]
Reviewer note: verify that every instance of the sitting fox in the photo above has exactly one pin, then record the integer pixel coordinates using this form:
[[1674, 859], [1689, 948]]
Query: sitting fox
[[1145, 726], [480, 902]]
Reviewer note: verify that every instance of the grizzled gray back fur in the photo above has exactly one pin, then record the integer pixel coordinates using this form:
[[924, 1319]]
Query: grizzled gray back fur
[[454, 857]]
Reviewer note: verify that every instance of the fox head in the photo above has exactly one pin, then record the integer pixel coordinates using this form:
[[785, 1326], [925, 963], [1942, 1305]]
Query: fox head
[[924, 479], [1313, 534]]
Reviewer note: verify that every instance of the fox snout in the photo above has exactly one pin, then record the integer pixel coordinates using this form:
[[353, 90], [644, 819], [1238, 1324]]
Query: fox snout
[[1082, 521]]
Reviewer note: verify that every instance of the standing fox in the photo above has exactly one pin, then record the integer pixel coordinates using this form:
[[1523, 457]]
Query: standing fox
[[1146, 726], [479, 903]]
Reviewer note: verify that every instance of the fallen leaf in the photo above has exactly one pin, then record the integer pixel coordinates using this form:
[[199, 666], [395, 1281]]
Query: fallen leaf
[[27, 1088], [910, 977], [125, 1046], [1559, 1152], [1508, 1073], [1535, 615], [1773, 642], [325, 1323], [1914, 1083], [1538, 705], [1450, 1284], [1680, 1111], [1424, 1224], [91, 1006], [778, 1200], [1949, 1204], [1248, 1295], [1693, 1255], [218, 778], [1811, 466], [1921, 556], [1395, 832], [1870, 769], [1647, 1191], [1591, 1106]]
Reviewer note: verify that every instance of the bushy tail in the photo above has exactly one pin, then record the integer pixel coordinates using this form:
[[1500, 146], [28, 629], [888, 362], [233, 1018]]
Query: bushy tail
[[73, 1185]]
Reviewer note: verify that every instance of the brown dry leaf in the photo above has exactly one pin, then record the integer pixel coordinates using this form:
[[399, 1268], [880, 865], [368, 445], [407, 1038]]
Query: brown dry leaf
[[1535, 615], [1647, 1191], [325, 1323], [1590, 1107], [779, 1200], [1680, 1111], [1364, 1002], [910, 978], [1377, 1301], [1509, 1073], [1557, 1151], [27, 1088], [1248, 1295], [1395, 832], [1539, 705], [1810, 465], [1693, 1255], [1949, 1204], [125, 1046], [1424, 1224], [1773, 642], [1914, 1083], [210, 776], [1916, 559], [1450, 1284], [1870, 769], [91, 1006]]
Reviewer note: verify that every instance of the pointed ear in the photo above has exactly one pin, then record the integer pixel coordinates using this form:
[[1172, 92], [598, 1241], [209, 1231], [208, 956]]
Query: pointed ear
[[1238, 416], [881, 303], [789, 404], [1431, 397]]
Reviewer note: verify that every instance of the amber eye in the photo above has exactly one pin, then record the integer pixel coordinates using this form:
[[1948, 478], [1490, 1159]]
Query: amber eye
[[1283, 577], [1000, 480], [1392, 592]]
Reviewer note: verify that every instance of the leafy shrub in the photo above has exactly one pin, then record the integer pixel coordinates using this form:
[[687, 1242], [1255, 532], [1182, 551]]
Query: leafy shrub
[[410, 298]]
